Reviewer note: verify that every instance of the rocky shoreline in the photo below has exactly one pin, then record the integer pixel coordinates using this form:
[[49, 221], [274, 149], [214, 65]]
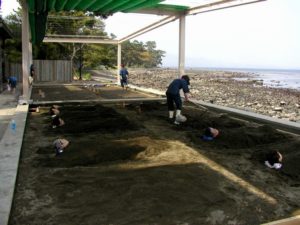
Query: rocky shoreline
[[223, 88]]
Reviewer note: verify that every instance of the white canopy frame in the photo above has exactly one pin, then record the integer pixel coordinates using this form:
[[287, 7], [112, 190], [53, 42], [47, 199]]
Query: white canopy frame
[[27, 46]]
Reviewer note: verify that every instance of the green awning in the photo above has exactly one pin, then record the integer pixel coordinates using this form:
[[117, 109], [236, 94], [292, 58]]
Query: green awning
[[38, 10]]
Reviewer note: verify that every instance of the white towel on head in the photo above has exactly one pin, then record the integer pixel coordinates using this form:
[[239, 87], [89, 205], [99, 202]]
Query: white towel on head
[[274, 166]]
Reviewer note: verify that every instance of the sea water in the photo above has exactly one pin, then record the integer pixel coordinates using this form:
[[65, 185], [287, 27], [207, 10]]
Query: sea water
[[277, 78], [274, 78]]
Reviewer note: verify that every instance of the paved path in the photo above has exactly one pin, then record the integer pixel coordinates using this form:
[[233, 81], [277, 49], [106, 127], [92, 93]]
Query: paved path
[[8, 104], [10, 146]]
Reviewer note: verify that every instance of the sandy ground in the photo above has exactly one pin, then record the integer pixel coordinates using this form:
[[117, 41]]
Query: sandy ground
[[129, 165]]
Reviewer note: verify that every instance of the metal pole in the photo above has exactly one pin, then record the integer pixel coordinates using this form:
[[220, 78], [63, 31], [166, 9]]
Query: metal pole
[[119, 62], [181, 61], [80, 62], [25, 51]]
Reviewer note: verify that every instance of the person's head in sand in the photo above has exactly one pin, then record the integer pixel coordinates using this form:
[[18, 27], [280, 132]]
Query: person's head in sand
[[54, 110], [60, 145], [273, 159], [34, 109], [57, 121], [210, 133]]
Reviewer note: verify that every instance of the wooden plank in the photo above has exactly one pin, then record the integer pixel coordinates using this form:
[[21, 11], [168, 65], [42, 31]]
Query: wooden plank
[[119, 100]]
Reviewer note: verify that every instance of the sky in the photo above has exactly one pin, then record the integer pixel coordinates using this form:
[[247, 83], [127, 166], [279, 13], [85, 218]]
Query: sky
[[260, 35]]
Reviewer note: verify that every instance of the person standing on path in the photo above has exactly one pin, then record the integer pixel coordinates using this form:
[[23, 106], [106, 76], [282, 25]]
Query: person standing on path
[[12, 82], [124, 77]]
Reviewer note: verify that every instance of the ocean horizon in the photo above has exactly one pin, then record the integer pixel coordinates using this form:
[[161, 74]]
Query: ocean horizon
[[277, 78]]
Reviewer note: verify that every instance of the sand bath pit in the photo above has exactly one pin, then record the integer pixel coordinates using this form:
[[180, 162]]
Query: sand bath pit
[[129, 165]]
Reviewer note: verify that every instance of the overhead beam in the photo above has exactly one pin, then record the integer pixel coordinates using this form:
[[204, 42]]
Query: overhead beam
[[129, 5], [144, 4], [219, 5], [51, 5], [83, 5], [157, 11], [149, 28], [99, 4], [79, 40], [119, 7], [60, 5], [71, 5], [110, 7]]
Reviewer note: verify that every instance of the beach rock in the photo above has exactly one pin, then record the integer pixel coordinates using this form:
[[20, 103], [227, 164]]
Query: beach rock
[[222, 88], [282, 103]]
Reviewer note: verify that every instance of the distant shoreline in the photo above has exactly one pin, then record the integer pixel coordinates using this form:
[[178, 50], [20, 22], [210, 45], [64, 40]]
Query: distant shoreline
[[223, 88], [280, 78], [233, 69]]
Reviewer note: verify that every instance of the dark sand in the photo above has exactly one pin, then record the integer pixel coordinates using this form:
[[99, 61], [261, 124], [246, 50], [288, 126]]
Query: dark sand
[[131, 166]]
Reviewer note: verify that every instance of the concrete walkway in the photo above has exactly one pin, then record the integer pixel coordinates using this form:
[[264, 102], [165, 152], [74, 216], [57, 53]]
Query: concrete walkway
[[8, 104], [10, 148]]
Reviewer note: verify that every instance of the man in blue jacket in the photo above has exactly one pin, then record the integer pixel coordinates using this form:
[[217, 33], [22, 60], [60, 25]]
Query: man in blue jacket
[[123, 76], [173, 95], [12, 82]]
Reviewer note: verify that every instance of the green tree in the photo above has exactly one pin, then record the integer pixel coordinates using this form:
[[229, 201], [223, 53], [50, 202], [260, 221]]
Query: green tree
[[13, 47], [89, 56], [141, 55], [155, 55]]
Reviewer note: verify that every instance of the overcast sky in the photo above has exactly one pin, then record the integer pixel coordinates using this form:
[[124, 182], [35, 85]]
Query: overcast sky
[[261, 35]]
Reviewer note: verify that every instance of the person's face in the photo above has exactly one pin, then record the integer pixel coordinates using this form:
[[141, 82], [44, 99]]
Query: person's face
[[214, 132]]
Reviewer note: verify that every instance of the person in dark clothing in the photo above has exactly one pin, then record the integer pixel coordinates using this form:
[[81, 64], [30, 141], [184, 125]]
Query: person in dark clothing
[[124, 76], [32, 70], [31, 77], [12, 82], [173, 95]]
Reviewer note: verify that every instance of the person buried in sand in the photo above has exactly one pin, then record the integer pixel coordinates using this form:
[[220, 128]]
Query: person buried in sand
[[273, 159], [54, 110], [210, 133], [59, 145], [173, 96], [34, 109], [57, 121]]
